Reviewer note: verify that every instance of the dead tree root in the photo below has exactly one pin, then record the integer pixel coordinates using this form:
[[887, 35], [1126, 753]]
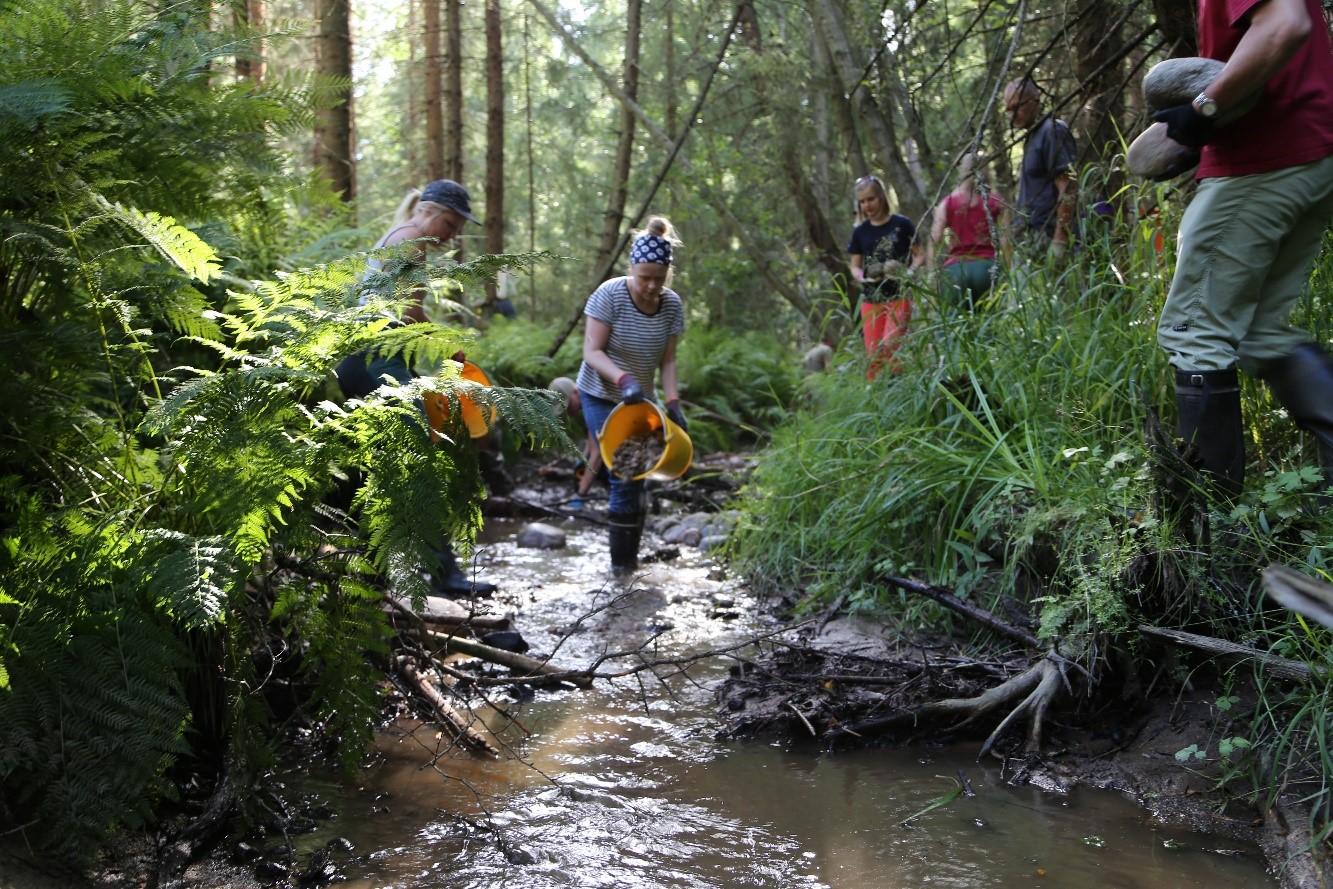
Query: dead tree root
[[1029, 695]]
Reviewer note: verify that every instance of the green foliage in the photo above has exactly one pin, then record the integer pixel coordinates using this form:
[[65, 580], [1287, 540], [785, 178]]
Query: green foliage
[[1002, 460], [171, 456], [744, 381]]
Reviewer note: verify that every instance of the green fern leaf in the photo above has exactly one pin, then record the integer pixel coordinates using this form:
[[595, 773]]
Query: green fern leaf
[[174, 241]]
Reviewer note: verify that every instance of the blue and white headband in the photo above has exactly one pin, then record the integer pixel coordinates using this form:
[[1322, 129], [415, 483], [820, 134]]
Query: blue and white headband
[[650, 248]]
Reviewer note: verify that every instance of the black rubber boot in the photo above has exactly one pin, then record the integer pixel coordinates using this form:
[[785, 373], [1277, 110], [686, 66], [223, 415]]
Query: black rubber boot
[[625, 529], [1303, 383], [1208, 402], [450, 581]]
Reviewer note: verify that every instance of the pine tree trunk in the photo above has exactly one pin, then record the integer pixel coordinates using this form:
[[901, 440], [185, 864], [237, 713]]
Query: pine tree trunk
[[495, 135], [433, 97], [453, 90], [614, 216], [250, 16], [334, 155]]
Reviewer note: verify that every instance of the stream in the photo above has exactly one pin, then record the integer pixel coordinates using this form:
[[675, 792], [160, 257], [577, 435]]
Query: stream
[[625, 784]]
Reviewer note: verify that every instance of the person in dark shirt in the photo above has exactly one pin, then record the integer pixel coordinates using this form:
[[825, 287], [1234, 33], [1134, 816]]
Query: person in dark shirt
[[880, 251], [1045, 182]]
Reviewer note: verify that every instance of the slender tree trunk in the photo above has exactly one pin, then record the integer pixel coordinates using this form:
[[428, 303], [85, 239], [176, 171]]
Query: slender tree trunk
[[843, 115], [334, 154], [433, 95], [878, 121], [411, 126], [669, 63], [797, 171], [453, 89], [532, 164], [495, 135], [614, 217], [249, 15], [1098, 40]]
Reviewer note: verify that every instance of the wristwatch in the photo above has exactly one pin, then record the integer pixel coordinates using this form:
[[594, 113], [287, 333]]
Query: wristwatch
[[1205, 106]]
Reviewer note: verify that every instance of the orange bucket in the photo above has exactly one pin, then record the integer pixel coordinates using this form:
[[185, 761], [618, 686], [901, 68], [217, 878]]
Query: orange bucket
[[638, 420], [477, 418]]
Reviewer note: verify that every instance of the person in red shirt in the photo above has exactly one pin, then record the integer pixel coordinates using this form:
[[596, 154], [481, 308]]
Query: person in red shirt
[[1251, 233], [973, 220]]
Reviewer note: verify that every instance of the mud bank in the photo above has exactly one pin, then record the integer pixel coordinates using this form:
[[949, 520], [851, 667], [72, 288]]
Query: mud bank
[[832, 680]]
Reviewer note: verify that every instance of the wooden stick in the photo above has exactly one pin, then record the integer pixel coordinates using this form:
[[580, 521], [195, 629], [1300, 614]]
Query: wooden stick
[[447, 712], [521, 664], [1279, 666], [967, 609]]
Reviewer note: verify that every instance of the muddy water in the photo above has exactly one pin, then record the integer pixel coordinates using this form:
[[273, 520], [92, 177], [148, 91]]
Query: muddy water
[[623, 785]]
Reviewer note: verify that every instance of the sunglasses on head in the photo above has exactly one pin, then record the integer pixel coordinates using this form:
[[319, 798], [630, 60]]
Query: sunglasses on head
[[866, 180]]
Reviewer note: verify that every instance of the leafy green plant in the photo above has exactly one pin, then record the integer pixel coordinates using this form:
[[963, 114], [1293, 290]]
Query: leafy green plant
[[175, 478]]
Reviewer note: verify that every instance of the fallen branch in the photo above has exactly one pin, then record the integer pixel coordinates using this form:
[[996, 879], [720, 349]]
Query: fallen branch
[[967, 609], [447, 712], [520, 663], [1280, 667]]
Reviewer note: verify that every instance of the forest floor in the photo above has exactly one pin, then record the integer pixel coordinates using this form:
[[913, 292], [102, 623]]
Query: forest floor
[[833, 677]]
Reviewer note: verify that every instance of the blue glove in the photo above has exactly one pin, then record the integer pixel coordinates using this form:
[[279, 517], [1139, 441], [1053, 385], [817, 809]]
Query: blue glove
[[630, 390], [1187, 126], [673, 412]]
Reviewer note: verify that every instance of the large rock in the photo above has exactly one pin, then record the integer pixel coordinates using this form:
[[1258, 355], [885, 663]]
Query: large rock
[[1178, 81], [1155, 155], [539, 535]]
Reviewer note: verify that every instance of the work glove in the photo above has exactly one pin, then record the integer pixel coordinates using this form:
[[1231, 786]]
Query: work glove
[[630, 390], [1187, 126], [674, 413], [1183, 162]]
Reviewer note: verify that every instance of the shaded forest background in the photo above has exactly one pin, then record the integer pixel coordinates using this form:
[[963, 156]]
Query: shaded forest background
[[746, 123]]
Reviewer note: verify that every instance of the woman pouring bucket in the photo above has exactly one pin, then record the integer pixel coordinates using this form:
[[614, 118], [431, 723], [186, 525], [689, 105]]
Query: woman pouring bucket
[[632, 325]]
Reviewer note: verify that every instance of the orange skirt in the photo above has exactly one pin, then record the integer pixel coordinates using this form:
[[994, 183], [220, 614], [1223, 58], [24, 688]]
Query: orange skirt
[[884, 325]]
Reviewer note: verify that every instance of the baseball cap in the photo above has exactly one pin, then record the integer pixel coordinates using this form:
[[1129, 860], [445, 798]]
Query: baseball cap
[[448, 193]]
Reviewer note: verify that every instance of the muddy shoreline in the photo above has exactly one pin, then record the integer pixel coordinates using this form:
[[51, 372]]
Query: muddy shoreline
[[832, 671], [837, 670]]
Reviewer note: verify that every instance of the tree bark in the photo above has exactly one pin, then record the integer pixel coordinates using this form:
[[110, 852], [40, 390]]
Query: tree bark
[[249, 15], [614, 218], [434, 94], [334, 150], [495, 136], [878, 121], [453, 90]]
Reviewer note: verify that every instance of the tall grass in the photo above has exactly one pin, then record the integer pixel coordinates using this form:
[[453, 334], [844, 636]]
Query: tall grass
[[1007, 460]]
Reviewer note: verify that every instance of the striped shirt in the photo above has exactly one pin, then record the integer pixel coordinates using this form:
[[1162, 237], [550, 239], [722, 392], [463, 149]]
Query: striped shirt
[[636, 341]]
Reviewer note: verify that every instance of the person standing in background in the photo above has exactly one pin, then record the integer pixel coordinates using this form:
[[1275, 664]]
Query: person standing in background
[[971, 221], [632, 327], [428, 219], [591, 462], [1252, 231], [1044, 210], [880, 249]]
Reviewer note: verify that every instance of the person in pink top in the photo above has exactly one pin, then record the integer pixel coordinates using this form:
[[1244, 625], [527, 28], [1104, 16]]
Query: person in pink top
[[1253, 230], [973, 220]]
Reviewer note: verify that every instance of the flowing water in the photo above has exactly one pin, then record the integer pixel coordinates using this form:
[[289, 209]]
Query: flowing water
[[624, 784]]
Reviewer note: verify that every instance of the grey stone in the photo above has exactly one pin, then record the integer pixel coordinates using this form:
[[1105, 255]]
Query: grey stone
[[539, 535]]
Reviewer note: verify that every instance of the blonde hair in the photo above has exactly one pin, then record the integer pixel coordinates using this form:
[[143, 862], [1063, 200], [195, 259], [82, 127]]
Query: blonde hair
[[870, 183], [408, 206], [659, 226]]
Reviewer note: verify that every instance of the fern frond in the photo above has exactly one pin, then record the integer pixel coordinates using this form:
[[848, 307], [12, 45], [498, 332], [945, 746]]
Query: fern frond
[[174, 241]]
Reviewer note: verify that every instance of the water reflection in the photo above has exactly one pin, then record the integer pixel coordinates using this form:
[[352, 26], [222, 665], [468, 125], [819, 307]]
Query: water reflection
[[624, 786]]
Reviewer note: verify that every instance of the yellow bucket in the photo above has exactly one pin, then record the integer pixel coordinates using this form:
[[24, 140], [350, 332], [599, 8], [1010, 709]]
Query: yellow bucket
[[477, 418], [637, 421]]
